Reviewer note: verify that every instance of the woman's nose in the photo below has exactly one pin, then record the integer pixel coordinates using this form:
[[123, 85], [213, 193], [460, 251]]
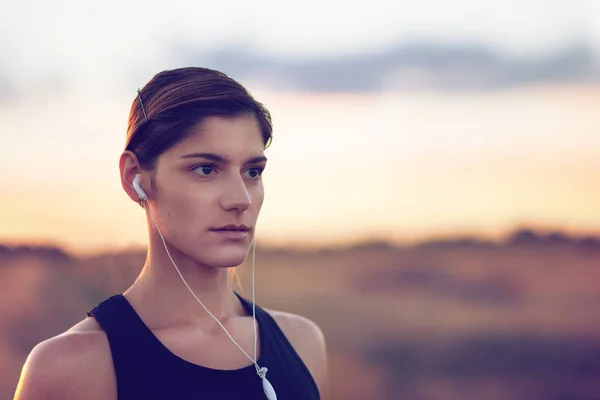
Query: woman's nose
[[236, 196]]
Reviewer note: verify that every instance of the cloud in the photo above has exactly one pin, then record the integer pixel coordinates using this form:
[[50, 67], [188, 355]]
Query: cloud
[[412, 66], [8, 92], [15, 88]]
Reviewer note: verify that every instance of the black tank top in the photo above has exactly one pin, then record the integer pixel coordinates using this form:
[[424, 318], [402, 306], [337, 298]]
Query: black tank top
[[146, 369]]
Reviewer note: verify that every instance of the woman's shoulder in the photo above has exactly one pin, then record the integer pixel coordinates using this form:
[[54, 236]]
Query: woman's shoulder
[[74, 364], [309, 342], [294, 325]]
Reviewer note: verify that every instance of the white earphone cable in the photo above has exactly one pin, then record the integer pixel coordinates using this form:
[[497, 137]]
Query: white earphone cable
[[259, 370]]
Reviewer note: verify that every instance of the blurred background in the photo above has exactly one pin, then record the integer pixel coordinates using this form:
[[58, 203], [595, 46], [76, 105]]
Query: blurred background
[[432, 191]]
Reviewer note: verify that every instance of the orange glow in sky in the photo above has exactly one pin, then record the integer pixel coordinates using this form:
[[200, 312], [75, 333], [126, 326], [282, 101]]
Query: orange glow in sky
[[341, 167]]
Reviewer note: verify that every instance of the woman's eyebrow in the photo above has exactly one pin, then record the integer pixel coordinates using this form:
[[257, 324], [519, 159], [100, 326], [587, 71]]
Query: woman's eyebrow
[[256, 160], [208, 156], [222, 159]]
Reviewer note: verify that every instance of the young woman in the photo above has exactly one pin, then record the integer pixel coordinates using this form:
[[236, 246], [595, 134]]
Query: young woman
[[193, 159]]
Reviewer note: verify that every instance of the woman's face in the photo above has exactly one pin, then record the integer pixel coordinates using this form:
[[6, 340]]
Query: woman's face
[[208, 190]]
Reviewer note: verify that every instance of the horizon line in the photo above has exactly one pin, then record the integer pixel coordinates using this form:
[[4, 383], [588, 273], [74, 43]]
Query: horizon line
[[303, 245]]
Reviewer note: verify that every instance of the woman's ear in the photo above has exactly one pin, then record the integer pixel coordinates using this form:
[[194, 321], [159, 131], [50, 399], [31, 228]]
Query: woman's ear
[[129, 166]]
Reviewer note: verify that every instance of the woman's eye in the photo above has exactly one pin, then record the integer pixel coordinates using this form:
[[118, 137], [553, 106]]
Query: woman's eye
[[204, 170], [254, 173]]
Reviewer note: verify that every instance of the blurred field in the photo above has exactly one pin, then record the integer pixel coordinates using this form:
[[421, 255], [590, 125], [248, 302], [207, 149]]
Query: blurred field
[[453, 319]]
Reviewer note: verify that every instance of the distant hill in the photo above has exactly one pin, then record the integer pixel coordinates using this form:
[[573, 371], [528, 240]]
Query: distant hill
[[524, 237], [51, 253], [520, 238]]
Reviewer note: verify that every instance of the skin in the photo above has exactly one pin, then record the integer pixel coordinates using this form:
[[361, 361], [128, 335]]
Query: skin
[[188, 196]]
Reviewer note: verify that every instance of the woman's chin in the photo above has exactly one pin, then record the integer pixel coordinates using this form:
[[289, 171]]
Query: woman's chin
[[228, 257]]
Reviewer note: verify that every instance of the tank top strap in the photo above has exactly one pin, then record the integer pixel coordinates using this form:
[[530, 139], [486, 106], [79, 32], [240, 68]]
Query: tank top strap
[[121, 324], [129, 340], [264, 326], [279, 351]]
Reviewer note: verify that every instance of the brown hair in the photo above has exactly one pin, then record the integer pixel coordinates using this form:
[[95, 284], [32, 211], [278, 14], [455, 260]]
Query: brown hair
[[174, 101]]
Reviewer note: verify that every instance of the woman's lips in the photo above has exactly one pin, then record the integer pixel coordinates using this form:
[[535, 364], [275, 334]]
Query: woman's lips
[[233, 232]]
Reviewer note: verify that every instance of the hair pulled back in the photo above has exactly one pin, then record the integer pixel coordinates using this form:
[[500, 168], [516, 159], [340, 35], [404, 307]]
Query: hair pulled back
[[174, 101]]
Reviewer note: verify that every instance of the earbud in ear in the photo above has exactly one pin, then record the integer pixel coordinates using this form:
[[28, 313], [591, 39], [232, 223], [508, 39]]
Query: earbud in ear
[[138, 188]]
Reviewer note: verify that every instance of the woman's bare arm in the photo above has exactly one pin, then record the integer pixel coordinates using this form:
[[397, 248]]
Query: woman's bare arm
[[74, 365]]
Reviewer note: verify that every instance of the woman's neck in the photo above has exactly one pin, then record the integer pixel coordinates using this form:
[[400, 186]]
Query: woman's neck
[[160, 296]]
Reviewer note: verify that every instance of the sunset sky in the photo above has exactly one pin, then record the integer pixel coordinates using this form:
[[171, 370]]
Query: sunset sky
[[345, 164]]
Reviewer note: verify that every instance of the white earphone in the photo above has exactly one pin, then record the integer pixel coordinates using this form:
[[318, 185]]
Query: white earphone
[[138, 188]]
